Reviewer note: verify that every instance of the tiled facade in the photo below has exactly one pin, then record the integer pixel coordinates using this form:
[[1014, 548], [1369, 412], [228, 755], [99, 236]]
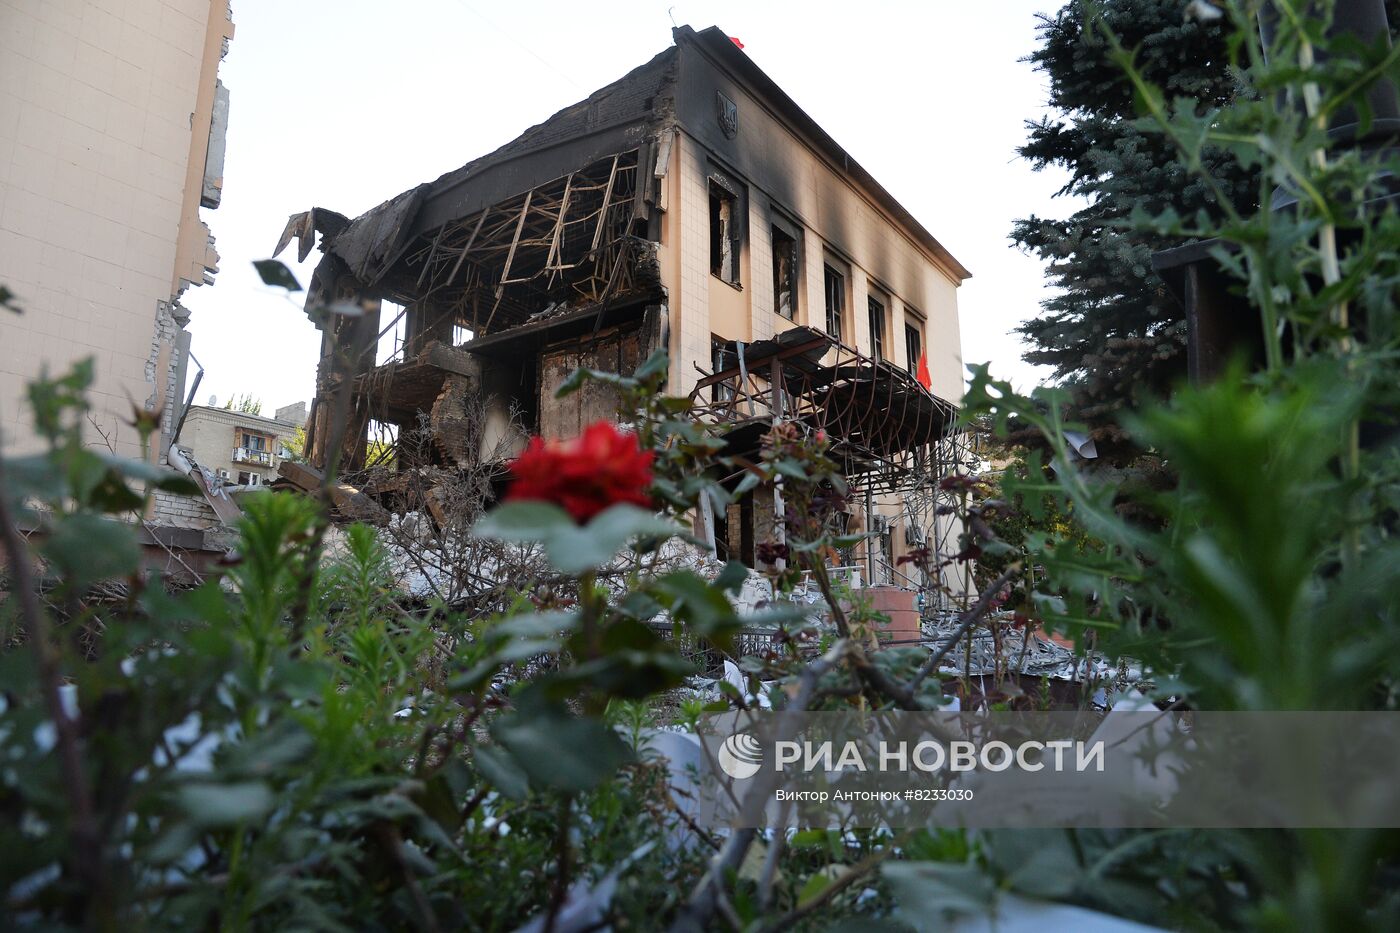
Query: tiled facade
[[106, 109], [790, 178], [836, 221]]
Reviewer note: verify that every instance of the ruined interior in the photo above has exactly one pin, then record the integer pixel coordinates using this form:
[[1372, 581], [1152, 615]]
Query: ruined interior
[[572, 246]]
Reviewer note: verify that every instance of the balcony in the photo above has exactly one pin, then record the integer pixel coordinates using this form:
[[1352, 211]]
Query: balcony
[[249, 455]]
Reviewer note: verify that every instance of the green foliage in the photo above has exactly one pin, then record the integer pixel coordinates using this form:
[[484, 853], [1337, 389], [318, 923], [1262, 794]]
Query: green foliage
[[275, 273], [1111, 330], [273, 752], [572, 549], [244, 404], [1264, 577]]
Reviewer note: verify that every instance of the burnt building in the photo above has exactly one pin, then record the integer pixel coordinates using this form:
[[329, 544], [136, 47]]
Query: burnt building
[[693, 206]]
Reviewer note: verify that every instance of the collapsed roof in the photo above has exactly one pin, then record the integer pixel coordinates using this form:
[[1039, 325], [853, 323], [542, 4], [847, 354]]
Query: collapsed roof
[[498, 236]]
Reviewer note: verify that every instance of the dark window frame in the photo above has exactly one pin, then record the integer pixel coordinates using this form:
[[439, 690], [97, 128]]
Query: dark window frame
[[782, 233], [834, 294], [719, 362], [877, 311], [913, 341], [726, 233]]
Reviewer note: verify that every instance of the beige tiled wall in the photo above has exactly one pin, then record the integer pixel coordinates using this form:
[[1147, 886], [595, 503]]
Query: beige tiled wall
[[835, 218], [97, 128]]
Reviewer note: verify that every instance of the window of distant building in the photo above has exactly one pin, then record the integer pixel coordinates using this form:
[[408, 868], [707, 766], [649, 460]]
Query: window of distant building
[[246, 478], [913, 340], [834, 287], [252, 441], [877, 315], [784, 272], [726, 229]]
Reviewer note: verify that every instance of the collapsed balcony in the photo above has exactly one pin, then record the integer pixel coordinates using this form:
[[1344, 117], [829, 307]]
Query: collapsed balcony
[[881, 421]]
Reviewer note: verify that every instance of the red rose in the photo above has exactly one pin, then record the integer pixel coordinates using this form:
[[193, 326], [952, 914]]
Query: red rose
[[601, 468]]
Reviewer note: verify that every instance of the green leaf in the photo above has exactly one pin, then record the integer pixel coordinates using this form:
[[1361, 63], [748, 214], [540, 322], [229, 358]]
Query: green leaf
[[498, 767], [1039, 864], [85, 548], [746, 483], [524, 520], [818, 883], [275, 273], [927, 891], [225, 804], [732, 578], [536, 625], [522, 649], [558, 750], [34, 475], [159, 477], [281, 746], [572, 549], [599, 541], [634, 663], [692, 600], [578, 377], [790, 468], [111, 494]]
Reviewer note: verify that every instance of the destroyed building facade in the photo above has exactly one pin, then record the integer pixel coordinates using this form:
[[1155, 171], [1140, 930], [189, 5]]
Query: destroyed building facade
[[690, 206], [112, 136]]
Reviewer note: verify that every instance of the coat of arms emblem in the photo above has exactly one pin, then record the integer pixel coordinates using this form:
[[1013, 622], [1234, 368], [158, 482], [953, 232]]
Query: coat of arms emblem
[[728, 113]]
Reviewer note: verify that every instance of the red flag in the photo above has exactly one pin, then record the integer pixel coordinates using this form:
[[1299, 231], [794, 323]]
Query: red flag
[[924, 378]]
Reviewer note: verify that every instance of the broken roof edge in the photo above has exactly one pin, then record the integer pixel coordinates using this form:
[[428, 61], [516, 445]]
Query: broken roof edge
[[642, 111], [528, 140], [722, 50]]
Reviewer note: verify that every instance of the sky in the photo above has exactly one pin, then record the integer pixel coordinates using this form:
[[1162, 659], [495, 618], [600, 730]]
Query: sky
[[345, 103]]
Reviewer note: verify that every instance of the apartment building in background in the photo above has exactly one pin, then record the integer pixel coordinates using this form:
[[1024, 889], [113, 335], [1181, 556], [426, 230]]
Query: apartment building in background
[[238, 448], [690, 206], [112, 123]]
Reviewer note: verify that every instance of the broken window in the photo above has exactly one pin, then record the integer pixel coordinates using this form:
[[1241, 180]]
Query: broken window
[[724, 232], [834, 285], [253, 441], [876, 309], [913, 343], [247, 478], [784, 273], [720, 360]]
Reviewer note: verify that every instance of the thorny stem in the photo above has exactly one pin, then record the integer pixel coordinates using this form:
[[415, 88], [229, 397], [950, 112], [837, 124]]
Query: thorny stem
[[87, 842], [393, 842], [875, 679], [340, 416], [965, 623], [695, 914], [855, 873], [561, 879]]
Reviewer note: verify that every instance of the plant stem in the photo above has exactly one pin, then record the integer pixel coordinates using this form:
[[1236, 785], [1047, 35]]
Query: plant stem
[[87, 852]]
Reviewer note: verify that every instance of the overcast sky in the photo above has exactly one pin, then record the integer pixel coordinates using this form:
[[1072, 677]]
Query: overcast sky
[[344, 103]]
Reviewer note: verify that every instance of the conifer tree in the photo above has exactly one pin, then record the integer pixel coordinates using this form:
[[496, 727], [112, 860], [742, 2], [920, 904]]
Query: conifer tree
[[1112, 331]]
